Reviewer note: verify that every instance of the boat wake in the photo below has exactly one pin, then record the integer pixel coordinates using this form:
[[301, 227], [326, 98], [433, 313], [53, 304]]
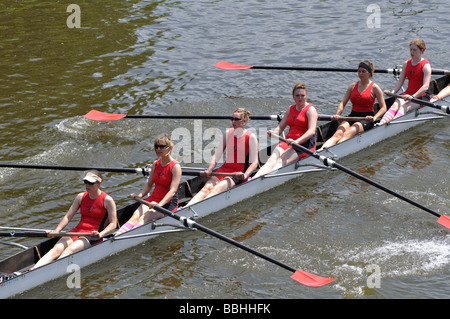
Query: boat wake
[[402, 258], [63, 149], [110, 131]]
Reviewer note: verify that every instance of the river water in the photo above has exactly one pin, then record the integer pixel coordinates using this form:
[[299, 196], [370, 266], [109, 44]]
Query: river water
[[157, 57]]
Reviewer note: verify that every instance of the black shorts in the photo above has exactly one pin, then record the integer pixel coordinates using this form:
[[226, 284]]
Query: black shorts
[[173, 204], [366, 125]]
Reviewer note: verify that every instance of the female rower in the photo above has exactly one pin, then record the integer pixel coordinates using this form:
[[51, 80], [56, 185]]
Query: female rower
[[302, 120], [95, 207], [418, 72], [241, 159], [165, 176], [362, 94]]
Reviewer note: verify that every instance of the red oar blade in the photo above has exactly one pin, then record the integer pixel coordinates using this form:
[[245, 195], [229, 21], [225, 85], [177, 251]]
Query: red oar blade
[[101, 116], [231, 66], [310, 280], [444, 221]]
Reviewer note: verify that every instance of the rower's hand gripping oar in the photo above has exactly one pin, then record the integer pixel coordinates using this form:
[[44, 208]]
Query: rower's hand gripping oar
[[301, 276], [443, 219], [444, 108]]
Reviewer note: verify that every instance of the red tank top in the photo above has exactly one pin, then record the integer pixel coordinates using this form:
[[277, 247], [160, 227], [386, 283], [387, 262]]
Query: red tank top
[[414, 74], [238, 149], [162, 178], [297, 121], [93, 213], [362, 101]]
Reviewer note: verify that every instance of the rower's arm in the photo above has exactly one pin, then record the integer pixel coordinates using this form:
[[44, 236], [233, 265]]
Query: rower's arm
[[71, 212], [110, 206]]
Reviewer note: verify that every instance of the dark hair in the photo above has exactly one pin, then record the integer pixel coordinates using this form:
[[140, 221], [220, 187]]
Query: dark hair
[[368, 66]]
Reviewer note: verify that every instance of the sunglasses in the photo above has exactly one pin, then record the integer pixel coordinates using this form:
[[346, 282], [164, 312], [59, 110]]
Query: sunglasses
[[89, 183], [237, 119], [161, 146]]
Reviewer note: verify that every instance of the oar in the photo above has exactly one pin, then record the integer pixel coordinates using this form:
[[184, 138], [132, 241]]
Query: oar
[[203, 173], [144, 170], [103, 116], [21, 228], [41, 234], [301, 276], [341, 118], [444, 108], [443, 219], [231, 66]]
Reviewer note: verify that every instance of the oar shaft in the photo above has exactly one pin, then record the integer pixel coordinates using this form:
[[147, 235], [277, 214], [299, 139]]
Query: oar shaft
[[23, 234], [341, 118], [74, 168], [200, 117], [300, 276], [322, 69], [203, 173], [190, 223], [145, 171], [232, 66], [446, 109], [64, 234], [41, 234], [102, 116], [316, 69], [22, 228], [331, 163], [239, 245]]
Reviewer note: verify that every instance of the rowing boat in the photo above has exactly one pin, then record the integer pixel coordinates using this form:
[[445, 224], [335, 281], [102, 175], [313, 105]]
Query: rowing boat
[[17, 279]]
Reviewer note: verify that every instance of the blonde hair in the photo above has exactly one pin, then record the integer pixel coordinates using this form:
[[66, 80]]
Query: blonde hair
[[419, 43], [246, 113], [299, 85], [164, 139]]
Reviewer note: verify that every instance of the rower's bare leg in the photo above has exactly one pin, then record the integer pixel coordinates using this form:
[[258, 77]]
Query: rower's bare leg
[[79, 244], [410, 107], [355, 129], [209, 186], [55, 252], [287, 158], [225, 184], [336, 136], [149, 216], [271, 162], [133, 221]]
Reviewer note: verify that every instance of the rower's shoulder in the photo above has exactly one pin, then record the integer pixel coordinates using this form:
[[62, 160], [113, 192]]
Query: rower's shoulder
[[375, 86], [352, 86]]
